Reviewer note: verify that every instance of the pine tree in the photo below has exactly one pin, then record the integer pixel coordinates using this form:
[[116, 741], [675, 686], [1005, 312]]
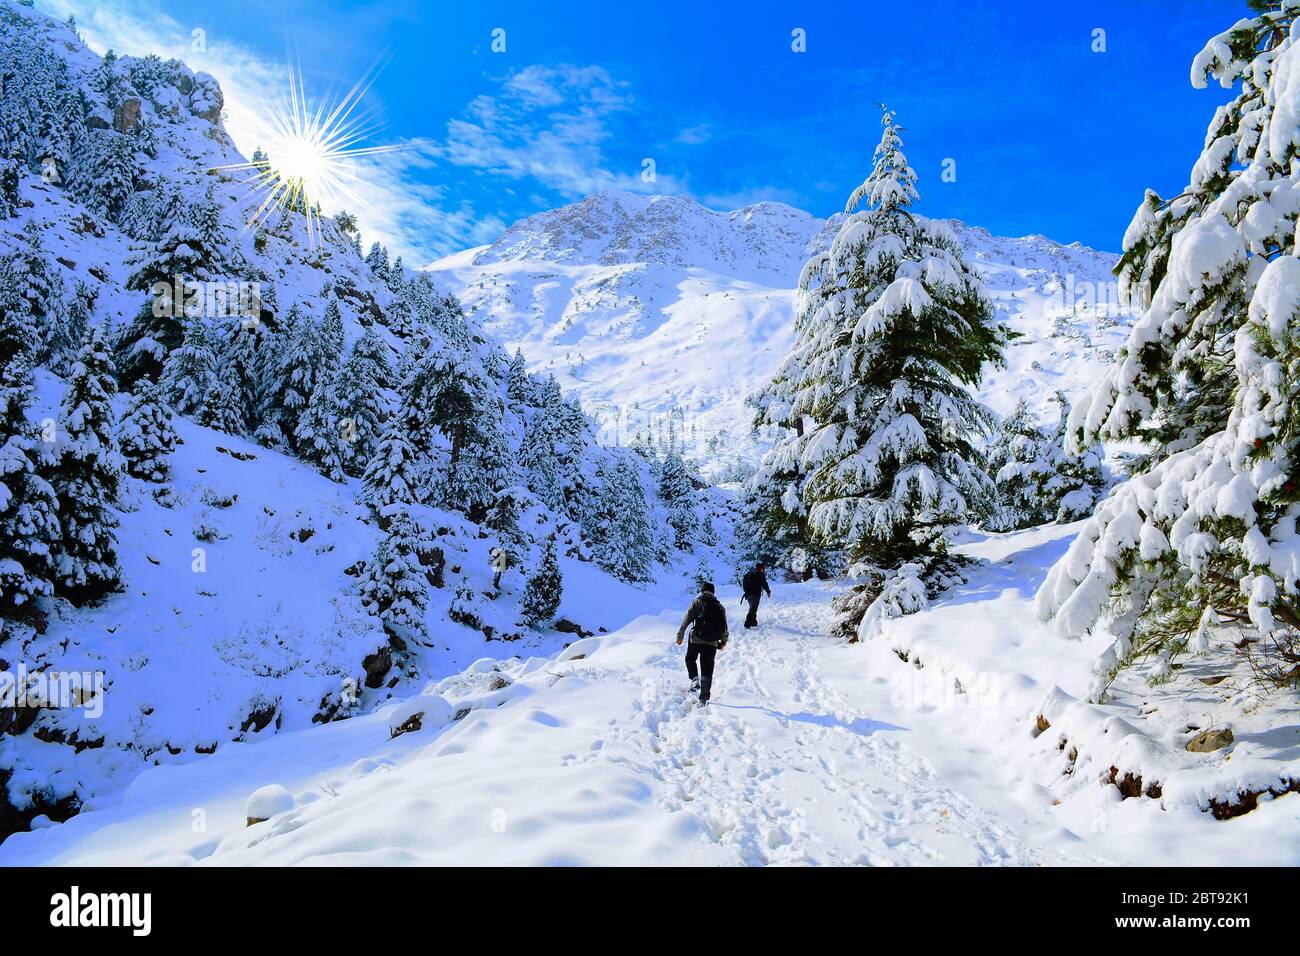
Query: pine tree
[[29, 520], [109, 85], [86, 478], [392, 586], [502, 519], [188, 373], [519, 390], [544, 588], [485, 466], [893, 329], [377, 259], [1075, 480], [319, 437], [774, 525], [445, 392], [703, 574], [623, 543], [190, 250], [1206, 534], [677, 492], [300, 363], [146, 436], [41, 285], [361, 408], [62, 348], [103, 171], [389, 483], [222, 409], [1019, 461], [331, 339]]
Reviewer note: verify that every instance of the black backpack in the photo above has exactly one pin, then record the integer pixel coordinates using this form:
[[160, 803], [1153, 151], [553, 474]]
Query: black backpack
[[752, 583], [711, 622]]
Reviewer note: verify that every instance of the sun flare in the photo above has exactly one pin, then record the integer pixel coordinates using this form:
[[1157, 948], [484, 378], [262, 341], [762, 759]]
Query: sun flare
[[311, 153]]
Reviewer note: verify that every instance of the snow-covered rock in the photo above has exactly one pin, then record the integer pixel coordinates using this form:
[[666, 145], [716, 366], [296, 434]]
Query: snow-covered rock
[[266, 802]]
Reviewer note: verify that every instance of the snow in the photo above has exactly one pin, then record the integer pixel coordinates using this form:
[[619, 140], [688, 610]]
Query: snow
[[692, 318], [811, 752], [268, 801], [962, 729]]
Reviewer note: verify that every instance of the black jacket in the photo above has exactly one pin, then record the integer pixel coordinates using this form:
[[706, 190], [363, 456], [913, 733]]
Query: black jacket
[[755, 582], [694, 611]]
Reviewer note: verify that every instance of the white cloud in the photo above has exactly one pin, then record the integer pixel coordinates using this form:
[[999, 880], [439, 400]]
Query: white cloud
[[549, 124], [694, 135]]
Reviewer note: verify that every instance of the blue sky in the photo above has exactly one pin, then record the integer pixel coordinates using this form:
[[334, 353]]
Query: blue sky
[[1047, 136]]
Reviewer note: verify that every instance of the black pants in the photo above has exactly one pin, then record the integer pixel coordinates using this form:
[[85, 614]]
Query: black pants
[[706, 653], [751, 619]]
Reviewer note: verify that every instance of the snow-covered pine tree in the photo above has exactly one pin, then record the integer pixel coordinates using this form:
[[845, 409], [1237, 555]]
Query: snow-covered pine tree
[[519, 389], [146, 436], [41, 284], [109, 85], [103, 171], [87, 477], [319, 436], [1076, 479], [63, 348], [539, 456], [392, 586], [485, 466], [331, 340], [703, 573], [300, 361], [360, 405], [544, 588], [447, 393], [622, 539], [189, 370], [190, 249], [389, 483], [1207, 533], [677, 492], [503, 517], [222, 409], [377, 260], [1020, 462], [774, 527], [29, 521], [894, 327]]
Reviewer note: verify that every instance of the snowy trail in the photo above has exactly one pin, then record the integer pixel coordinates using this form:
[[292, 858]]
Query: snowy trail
[[780, 769], [600, 760]]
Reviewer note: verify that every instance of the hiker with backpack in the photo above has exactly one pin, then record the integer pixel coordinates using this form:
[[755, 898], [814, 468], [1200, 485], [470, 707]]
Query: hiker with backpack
[[708, 623], [753, 585]]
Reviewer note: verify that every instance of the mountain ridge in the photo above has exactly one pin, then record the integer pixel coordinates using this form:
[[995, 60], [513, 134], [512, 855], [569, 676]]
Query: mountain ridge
[[663, 315]]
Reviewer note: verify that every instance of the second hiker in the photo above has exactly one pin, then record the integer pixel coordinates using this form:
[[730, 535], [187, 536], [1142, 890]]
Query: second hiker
[[754, 584]]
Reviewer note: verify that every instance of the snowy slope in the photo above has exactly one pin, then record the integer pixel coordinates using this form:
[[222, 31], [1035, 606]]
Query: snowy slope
[[656, 309], [239, 618], [812, 752]]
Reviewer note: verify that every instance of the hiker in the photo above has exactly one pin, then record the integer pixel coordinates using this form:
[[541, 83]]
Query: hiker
[[708, 636], [753, 585]]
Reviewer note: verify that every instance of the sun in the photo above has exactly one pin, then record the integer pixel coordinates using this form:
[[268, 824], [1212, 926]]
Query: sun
[[311, 153]]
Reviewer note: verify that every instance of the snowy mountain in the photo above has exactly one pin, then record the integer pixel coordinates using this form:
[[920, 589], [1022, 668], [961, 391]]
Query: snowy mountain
[[660, 313], [361, 490]]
